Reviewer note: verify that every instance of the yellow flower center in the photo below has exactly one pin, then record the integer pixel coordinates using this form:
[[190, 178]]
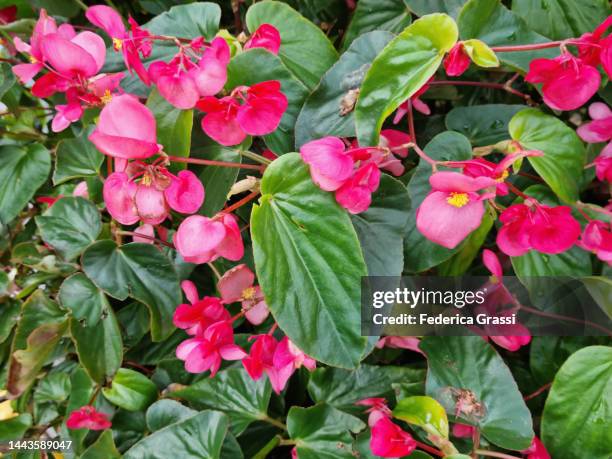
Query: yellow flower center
[[117, 44], [106, 98], [32, 59], [503, 177], [248, 293], [458, 199]]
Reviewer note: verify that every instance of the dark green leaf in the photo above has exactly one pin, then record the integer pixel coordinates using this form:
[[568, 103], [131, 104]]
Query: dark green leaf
[[423, 7], [140, 271], [53, 388], [103, 448], [15, 428], [390, 15], [76, 158], [321, 113], [465, 368], [198, 437], [22, 172], [305, 50], [576, 416], [131, 390], [233, 392], [70, 225], [308, 262], [9, 315], [7, 78], [322, 431], [165, 412], [482, 124], [400, 70], [85, 301], [256, 65]]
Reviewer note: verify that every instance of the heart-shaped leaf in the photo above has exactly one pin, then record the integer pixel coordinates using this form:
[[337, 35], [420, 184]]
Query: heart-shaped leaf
[[131, 390]]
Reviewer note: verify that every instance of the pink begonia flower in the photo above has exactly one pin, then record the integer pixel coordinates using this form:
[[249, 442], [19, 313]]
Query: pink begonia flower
[[410, 343], [196, 317], [537, 450], [261, 357], [82, 56], [395, 140], [389, 440], [147, 230], [235, 285], [568, 83], [456, 61], [255, 110], [45, 25], [480, 167], [453, 209], [87, 417], [266, 36], [355, 195], [201, 239], [416, 103], [81, 190], [205, 352], [377, 409], [597, 238], [183, 82], [593, 49], [126, 129], [391, 142], [132, 44], [463, 430], [119, 192], [68, 113], [600, 130], [330, 163], [536, 226], [294, 453], [49, 200]]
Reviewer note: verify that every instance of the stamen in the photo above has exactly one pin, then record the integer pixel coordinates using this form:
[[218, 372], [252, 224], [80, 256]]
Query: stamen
[[458, 199]]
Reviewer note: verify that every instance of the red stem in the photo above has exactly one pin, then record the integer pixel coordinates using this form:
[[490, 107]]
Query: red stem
[[544, 388], [410, 115], [516, 191], [249, 197], [429, 449], [207, 162], [146, 236]]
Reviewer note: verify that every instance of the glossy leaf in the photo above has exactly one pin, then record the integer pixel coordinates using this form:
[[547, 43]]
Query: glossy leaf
[[85, 301], [22, 171], [305, 50], [140, 271], [400, 70], [233, 392], [322, 113], [131, 390], [75, 158], [583, 383], [256, 65], [308, 262], [15, 428], [200, 436], [423, 7], [420, 253], [7, 78], [479, 377], [382, 227], [482, 124], [564, 153], [165, 412], [322, 431], [103, 448], [424, 412], [70, 225], [390, 15]]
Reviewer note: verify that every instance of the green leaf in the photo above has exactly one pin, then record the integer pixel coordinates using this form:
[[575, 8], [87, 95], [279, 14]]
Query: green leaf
[[467, 369], [9, 315], [400, 70], [308, 262], [491, 22], [421, 254], [322, 431], [173, 127], [70, 225], [564, 153], [198, 437], [424, 412], [140, 271], [559, 19], [305, 50], [575, 422], [343, 388], [186, 21], [131, 390], [381, 228], [321, 113], [15, 428], [82, 389], [54, 387], [548, 353], [600, 288], [233, 392], [423, 7], [22, 171], [482, 124], [103, 448], [389, 15], [257, 65], [76, 158], [99, 346], [480, 53], [165, 412], [7, 78], [85, 301]]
